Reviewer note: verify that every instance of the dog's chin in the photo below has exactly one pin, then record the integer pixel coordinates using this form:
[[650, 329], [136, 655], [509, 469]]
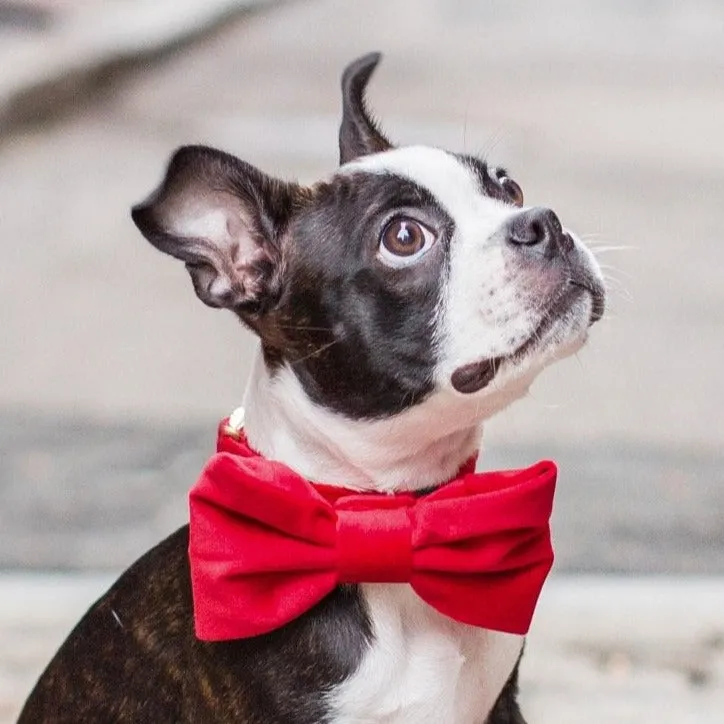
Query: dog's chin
[[561, 332]]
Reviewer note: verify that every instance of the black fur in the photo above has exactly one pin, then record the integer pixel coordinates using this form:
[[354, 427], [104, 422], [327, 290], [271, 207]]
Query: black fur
[[488, 183], [356, 332], [506, 709], [369, 351]]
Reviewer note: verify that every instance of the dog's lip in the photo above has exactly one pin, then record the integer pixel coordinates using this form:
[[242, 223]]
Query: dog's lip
[[548, 320], [598, 296], [576, 284], [582, 274]]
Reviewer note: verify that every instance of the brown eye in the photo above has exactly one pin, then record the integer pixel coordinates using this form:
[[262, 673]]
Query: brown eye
[[511, 188], [403, 237], [404, 241]]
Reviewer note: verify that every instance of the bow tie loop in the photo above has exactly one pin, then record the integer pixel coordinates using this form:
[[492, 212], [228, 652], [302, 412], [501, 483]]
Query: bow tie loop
[[374, 546]]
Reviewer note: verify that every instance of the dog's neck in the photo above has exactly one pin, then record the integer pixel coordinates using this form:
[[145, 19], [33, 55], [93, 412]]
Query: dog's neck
[[417, 449]]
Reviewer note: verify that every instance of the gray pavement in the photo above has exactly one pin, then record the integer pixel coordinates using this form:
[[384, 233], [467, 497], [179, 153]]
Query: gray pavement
[[626, 651], [112, 374]]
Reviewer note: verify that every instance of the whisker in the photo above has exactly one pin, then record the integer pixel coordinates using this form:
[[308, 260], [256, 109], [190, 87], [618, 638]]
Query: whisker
[[615, 284], [465, 127], [616, 277], [494, 141], [621, 294], [613, 247], [317, 351], [612, 278], [613, 267], [306, 329], [544, 405]]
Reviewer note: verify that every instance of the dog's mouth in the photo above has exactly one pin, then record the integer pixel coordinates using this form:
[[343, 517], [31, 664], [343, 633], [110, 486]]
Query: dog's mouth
[[598, 296], [475, 376]]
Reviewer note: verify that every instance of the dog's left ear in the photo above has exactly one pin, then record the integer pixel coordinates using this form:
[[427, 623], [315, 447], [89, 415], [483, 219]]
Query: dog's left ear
[[223, 218], [359, 134]]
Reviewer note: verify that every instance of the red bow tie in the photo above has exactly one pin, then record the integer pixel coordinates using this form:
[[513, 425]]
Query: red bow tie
[[266, 545]]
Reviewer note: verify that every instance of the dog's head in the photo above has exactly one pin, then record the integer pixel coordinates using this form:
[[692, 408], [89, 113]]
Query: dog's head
[[411, 273]]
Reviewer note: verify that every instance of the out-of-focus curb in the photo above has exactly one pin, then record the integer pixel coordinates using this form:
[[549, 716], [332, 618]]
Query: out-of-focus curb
[[626, 649], [602, 649], [42, 72]]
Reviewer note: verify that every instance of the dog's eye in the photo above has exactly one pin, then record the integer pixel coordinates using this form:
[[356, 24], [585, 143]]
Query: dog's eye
[[511, 188], [404, 241]]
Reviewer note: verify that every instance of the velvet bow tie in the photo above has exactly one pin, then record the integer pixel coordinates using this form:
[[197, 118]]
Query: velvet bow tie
[[266, 545]]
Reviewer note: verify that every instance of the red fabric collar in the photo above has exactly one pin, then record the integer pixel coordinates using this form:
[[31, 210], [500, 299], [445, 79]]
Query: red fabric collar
[[266, 545]]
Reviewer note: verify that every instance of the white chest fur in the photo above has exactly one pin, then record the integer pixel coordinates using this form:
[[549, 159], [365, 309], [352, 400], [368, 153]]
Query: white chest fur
[[423, 667]]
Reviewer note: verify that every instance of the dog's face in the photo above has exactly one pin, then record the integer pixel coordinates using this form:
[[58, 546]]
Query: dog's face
[[410, 273]]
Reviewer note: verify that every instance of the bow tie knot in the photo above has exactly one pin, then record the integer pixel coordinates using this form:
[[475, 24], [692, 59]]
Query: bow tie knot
[[374, 545]]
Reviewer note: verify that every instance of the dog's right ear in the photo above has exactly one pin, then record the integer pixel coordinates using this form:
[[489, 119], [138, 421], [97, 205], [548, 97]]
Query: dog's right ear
[[223, 218]]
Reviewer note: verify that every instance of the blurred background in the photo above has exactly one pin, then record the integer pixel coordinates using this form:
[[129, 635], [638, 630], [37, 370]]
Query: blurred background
[[113, 375]]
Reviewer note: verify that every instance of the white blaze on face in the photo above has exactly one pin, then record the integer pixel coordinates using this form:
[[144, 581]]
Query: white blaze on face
[[483, 310]]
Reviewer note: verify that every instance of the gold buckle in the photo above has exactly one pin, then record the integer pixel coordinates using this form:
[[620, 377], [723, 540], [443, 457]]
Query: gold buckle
[[235, 424]]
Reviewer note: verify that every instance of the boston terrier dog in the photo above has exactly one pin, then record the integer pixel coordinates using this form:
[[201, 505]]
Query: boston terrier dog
[[399, 303]]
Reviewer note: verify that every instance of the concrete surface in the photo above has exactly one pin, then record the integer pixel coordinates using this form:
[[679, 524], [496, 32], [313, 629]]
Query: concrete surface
[[626, 651], [601, 651]]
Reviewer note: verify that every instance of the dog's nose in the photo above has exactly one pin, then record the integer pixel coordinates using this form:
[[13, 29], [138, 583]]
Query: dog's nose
[[539, 230]]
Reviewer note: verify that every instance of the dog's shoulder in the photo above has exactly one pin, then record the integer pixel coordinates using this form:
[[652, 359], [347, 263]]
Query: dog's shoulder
[[147, 611], [154, 592]]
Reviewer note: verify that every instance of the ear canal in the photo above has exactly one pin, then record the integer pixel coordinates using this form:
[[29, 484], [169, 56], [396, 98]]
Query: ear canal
[[223, 218], [359, 134]]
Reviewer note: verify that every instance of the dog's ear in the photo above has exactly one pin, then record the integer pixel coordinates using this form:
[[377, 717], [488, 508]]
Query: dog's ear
[[359, 134], [223, 218]]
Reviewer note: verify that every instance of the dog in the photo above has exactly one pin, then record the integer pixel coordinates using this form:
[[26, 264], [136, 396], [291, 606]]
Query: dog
[[399, 304]]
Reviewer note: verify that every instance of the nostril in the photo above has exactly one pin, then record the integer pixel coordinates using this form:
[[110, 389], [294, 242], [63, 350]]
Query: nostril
[[534, 227], [538, 231], [527, 232]]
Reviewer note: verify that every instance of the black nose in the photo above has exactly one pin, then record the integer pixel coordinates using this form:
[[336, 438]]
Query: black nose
[[539, 230]]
